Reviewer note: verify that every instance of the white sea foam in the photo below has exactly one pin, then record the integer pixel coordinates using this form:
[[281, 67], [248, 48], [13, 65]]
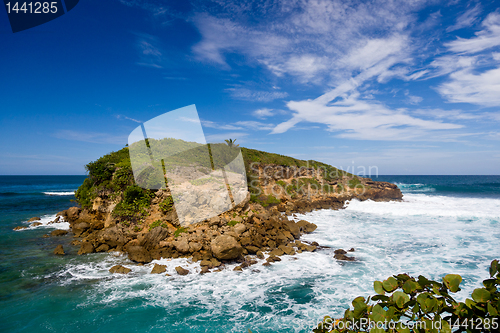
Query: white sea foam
[[59, 193], [47, 222], [432, 236]]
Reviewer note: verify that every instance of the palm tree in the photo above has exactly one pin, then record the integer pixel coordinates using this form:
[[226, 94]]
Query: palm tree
[[230, 143]]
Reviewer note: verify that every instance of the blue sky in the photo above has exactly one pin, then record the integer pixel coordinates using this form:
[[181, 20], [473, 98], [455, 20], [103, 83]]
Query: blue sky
[[402, 87]]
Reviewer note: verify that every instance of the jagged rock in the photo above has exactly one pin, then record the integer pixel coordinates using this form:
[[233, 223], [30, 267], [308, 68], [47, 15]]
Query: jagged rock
[[102, 248], [36, 224], [154, 237], [76, 242], [113, 236], [339, 251], [266, 264], [72, 214], [238, 269], [273, 259], [341, 256], [119, 269], [59, 250], [351, 249], [56, 220], [239, 228], [59, 232], [252, 249], [194, 247], [158, 269], [306, 227], [79, 228], [276, 252], [181, 245], [226, 247], [36, 218], [260, 255], [287, 249], [86, 247], [204, 270], [215, 262], [19, 228], [293, 228], [181, 271], [304, 246], [138, 254]]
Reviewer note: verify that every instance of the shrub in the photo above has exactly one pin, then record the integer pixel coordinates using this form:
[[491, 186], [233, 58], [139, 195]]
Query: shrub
[[135, 203], [167, 204], [232, 223], [402, 299], [157, 223], [353, 182], [179, 231]]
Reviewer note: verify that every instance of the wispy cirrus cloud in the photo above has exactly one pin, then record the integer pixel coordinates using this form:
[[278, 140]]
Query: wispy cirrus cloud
[[467, 19], [256, 95]]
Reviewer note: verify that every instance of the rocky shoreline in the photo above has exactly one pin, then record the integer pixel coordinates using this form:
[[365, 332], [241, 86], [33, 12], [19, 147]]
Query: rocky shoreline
[[240, 235]]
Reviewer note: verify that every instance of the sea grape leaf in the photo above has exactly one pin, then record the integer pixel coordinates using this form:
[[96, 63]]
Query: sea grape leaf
[[494, 267], [400, 298], [378, 314], [410, 286], [390, 284], [452, 282], [492, 310], [379, 288], [481, 295]]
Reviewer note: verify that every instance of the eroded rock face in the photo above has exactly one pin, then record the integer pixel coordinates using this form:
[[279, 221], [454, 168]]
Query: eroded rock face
[[86, 247], [153, 238], [226, 247], [59, 232], [59, 250], [138, 254], [158, 269], [119, 269]]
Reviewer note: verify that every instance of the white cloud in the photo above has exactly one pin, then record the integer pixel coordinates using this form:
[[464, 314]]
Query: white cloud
[[485, 39], [151, 54], [467, 87], [263, 113], [467, 19], [256, 96], [354, 118]]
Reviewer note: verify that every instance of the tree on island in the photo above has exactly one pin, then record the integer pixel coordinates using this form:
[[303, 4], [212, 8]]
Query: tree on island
[[230, 143]]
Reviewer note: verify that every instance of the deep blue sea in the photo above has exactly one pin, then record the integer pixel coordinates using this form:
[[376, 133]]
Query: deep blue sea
[[446, 224]]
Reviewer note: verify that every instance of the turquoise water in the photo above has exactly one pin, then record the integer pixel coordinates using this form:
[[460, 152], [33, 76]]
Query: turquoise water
[[446, 224]]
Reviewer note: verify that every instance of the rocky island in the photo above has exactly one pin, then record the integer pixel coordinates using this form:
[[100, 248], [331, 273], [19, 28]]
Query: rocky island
[[114, 214]]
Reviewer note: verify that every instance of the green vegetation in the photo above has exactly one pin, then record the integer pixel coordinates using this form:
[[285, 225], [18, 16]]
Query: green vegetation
[[167, 204], [157, 223], [265, 200], [232, 223], [230, 143], [401, 299], [111, 175], [179, 231], [353, 182], [134, 205]]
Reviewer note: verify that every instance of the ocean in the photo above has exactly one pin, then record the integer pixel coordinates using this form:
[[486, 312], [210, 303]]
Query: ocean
[[446, 224]]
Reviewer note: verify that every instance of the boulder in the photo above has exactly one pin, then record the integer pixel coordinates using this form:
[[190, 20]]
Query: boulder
[[158, 269], [102, 248], [260, 255], [306, 227], [204, 270], [239, 228], [138, 254], [59, 250], [226, 247], [112, 236], [35, 224], [238, 269], [276, 252], [181, 271], [351, 249], [194, 247], [119, 269], [154, 237], [182, 245], [59, 232], [287, 249], [339, 251], [72, 214], [86, 247], [79, 228], [341, 256], [293, 228], [20, 228], [252, 249], [36, 218]]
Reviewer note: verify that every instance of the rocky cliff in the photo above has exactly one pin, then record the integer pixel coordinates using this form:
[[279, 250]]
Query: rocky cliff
[[116, 215]]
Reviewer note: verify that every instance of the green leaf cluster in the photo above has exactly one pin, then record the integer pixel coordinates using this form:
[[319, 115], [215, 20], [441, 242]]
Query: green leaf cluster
[[167, 204], [401, 299], [157, 223]]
